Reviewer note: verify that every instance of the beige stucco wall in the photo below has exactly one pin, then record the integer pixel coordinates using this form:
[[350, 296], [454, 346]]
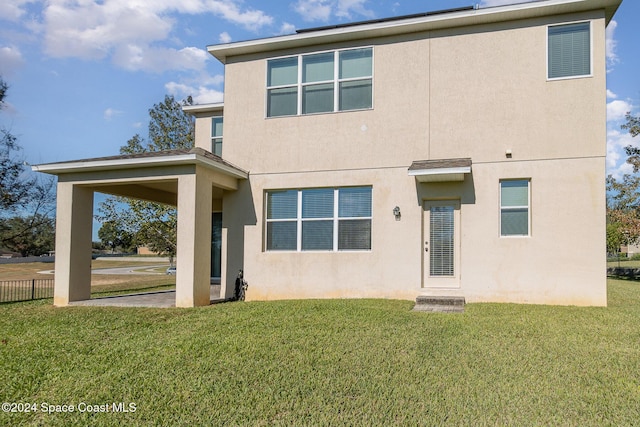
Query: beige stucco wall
[[452, 93]]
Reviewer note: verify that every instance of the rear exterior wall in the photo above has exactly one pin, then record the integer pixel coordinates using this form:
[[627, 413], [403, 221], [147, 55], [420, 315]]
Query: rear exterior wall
[[466, 92]]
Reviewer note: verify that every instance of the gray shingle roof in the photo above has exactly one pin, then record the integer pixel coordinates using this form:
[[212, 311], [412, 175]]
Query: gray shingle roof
[[440, 164]]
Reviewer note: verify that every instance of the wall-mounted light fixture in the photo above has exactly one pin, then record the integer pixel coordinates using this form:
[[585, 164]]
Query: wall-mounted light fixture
[[508, 153], [396, 213]]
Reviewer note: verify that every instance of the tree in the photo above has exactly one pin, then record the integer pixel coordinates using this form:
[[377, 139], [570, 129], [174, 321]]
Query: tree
[[114, 236], [152, 224], [26, 202], [170, 128], [623, 197], [632, 125], [14, 186], [615, 237], [633, 153], [31, 235]]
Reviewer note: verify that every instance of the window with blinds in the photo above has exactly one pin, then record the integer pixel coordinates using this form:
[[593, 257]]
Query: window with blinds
[[319, 219], [514, 208], [569, 50], [216, 135], [339, 80], [442, 238]]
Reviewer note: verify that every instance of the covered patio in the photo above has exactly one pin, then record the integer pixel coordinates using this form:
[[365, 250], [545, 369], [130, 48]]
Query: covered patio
[[192, 180]]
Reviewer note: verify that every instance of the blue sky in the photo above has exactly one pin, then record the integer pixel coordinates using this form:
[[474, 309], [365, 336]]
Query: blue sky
[[83, 73]]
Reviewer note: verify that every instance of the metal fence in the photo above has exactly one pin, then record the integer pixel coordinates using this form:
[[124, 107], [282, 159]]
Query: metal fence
[[24, 290]]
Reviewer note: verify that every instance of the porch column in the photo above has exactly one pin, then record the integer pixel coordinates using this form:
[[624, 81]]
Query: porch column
[[193, 268], [73, 244]]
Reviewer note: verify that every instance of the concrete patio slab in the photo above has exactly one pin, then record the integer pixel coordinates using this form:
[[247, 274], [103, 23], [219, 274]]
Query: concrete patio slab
[[158, 299]]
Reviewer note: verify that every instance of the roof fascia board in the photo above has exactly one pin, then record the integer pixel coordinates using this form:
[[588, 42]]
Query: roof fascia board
[[479, 16], [115, 164], [203, 108], [440, 171]]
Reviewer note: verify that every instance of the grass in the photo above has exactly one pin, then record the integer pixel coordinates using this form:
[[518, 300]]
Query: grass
[[101, 284], [327, 362], [624, 263], [32, 270]]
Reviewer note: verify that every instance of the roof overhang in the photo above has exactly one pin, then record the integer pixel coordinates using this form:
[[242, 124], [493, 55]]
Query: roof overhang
[[447, 170], [384, 28], [195, 156], [204, 108]]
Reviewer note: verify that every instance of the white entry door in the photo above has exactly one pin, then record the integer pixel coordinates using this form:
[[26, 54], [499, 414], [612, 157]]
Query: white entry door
[[441, 249]]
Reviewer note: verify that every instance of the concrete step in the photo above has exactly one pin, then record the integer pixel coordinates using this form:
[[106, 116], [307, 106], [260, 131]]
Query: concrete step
[[441, 304]]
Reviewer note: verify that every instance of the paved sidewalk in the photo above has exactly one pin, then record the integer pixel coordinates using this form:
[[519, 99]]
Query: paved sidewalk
[[159, 299]]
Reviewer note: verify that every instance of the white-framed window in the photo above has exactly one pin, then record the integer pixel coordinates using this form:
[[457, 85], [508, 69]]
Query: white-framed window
[[514, 207], [339, 80], [569, 50], [216, 135], [318, 219]]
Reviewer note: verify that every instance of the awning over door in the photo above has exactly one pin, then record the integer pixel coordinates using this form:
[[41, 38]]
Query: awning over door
[[445, 170]]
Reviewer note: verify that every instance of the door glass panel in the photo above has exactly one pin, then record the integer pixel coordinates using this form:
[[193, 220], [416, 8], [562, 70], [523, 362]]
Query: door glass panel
[[441, 241]]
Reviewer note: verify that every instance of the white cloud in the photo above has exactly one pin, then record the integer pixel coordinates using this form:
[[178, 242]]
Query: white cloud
[[616, 157], [10, 60], [287, 28], [91, 31], [110, 113], [12, 10], [156, 60], [611, 95], [209, 80], [201, 92], [204, 95], [322, 10], [224, 37], [345, 7], [136, 35], [314, 10], [251, 19], [611, 43], [616, 110]]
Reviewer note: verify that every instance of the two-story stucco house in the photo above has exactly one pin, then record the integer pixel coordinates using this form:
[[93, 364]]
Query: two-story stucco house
[[458, 153]]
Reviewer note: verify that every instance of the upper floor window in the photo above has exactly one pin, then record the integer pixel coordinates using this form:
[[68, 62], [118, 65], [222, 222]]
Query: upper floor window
[[324, 82], [216, 136], [514, 207], [569, 50]]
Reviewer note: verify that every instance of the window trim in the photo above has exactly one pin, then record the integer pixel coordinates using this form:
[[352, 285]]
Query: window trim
[[501, 209], [299, 85], [300, 220], [578, 76]]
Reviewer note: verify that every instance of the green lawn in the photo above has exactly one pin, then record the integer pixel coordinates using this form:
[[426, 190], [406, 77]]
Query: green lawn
[[326, 362], [624, 263]]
